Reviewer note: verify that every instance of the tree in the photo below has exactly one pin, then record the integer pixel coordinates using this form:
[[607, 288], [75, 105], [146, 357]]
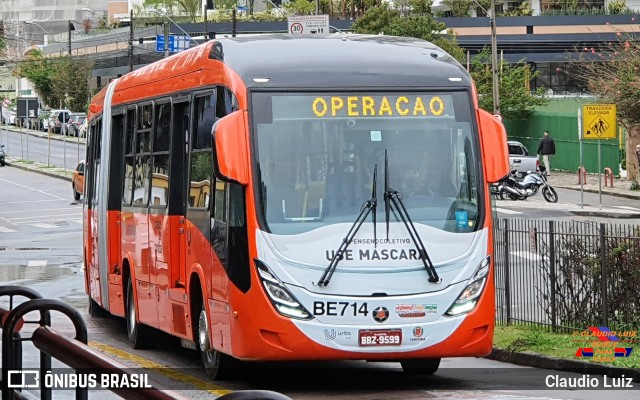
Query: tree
[[612, 74], [3, 43], [60, 82], [419, 24], [516, 100]]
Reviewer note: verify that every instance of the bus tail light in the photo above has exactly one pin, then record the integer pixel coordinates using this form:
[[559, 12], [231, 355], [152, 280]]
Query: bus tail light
[[283, 301], [469, 296]]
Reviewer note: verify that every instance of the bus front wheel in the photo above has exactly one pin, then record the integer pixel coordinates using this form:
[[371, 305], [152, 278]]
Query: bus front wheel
[[216, 364], [427, 366], [135, 330]]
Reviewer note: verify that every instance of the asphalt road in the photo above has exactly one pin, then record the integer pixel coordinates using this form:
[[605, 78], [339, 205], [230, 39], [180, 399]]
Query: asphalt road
[[53, 152]]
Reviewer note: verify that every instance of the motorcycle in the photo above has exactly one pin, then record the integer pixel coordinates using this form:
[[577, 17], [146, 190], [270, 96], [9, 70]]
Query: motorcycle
[[512, 188]]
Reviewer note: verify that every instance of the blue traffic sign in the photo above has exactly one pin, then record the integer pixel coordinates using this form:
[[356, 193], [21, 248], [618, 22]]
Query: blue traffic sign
[[176, 43]]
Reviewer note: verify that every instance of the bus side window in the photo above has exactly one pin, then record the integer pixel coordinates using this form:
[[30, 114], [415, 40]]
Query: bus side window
[[129, 157], [161, 139], [201, 156], [97, 148]]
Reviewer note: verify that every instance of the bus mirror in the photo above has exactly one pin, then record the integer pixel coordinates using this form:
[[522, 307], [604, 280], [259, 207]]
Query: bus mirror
[[231, 147], [494, 147]]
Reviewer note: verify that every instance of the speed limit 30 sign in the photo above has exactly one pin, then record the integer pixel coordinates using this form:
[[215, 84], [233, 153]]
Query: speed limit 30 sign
[[309, 25]]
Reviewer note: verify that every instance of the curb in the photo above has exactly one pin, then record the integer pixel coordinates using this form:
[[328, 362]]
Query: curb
[[588, 213], [39, 171], [540, 361], [589, 190]]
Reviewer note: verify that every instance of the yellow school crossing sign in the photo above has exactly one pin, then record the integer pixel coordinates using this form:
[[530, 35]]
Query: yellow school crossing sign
[[599, 121]]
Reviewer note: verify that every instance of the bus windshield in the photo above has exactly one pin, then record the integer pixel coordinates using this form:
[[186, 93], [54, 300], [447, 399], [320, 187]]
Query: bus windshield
[[317, 153]]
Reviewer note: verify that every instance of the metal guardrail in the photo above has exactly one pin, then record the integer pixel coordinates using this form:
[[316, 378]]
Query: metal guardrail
[[74, 352], [567, 275]]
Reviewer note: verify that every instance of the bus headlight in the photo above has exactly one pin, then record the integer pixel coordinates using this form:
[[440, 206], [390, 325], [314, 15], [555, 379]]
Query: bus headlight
[[281, 299], [469, 296]]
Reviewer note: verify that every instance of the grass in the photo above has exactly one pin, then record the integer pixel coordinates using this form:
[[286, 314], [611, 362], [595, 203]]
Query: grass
[[540, 340]]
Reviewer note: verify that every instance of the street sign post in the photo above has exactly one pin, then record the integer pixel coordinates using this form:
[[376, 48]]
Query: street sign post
[[309, 25], [598, 122]]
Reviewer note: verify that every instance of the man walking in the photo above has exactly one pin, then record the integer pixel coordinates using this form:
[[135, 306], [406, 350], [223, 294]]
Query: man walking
[[546, 148]]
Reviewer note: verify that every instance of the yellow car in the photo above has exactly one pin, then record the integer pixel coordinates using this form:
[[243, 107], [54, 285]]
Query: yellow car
[[77, 181]]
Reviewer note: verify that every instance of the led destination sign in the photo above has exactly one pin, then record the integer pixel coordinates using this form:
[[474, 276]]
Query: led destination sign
[[354, 106]]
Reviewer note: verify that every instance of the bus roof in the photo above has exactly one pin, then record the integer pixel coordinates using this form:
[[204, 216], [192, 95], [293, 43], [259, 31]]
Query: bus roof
[[339, 60]]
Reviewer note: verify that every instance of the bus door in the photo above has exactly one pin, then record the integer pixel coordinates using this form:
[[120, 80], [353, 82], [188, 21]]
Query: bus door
[[92, 192], [159, 224], [143, 285], [198, 190]]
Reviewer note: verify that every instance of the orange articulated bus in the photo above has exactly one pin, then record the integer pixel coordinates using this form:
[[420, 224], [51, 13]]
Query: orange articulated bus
[[296, 198]]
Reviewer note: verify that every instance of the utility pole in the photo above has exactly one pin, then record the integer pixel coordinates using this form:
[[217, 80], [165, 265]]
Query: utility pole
[[69, 29], [166, 39], [494, 60], [130, 44]]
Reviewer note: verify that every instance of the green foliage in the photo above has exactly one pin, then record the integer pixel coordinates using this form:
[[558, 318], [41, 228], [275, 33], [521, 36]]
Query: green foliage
[[382, 19], [459, 8], [301, 7], [523, 10], [537, 339], [578, 273], [189, 7], [616, 7], [574, 10], [612, 74], [516, 101], [61, 82], [3, 43]]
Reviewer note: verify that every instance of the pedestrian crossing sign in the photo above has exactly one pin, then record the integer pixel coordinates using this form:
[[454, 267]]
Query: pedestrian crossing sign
[[599, 121]]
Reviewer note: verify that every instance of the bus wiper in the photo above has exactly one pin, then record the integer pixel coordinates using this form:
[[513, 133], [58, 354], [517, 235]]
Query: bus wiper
[[393, 199], [368, 206]]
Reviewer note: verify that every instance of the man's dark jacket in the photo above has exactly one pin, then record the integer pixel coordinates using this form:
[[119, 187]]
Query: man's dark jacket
[[546, 146]]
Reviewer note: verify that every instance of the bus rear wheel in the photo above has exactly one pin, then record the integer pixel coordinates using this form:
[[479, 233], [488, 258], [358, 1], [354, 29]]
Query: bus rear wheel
[[135, 330], [426, 366], [217, 365]]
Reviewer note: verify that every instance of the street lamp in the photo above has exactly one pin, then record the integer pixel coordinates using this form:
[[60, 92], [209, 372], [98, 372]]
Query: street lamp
[[28, 22]]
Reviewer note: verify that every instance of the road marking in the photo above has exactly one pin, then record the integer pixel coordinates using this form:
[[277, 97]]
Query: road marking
[[527, 255], [33, 190], [38, 210], [32, 201], [37, 263], [45, 226], [162, 369], [6, 230], [505, 211], [39, 217]]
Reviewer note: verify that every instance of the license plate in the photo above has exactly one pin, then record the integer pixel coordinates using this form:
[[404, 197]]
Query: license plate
[[380, 337]]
